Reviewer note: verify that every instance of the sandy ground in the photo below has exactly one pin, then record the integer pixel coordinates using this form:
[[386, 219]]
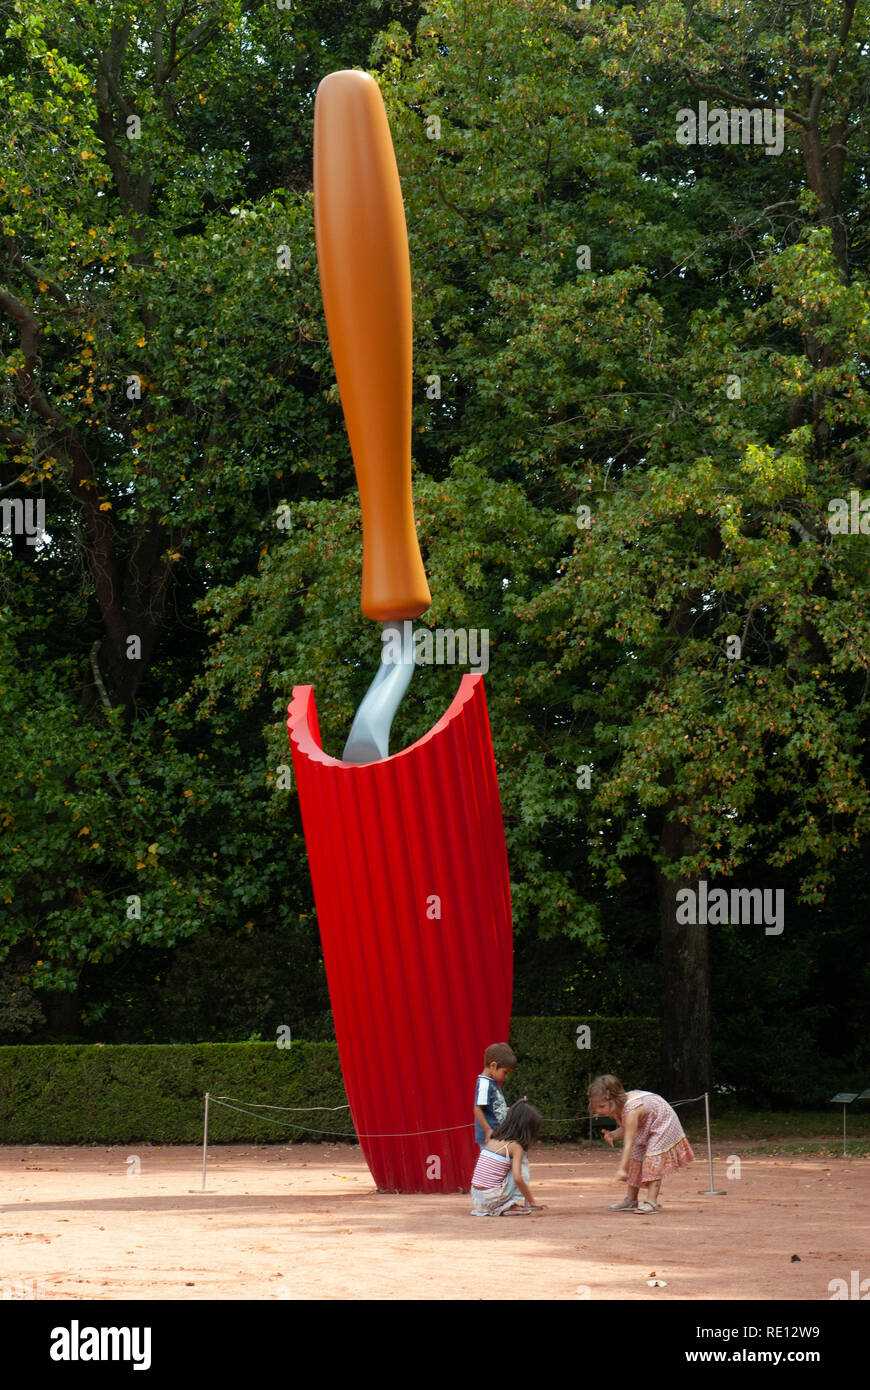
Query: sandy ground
[[307, 1223]]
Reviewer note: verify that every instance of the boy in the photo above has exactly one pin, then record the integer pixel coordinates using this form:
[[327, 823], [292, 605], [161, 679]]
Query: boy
[[490, 1106]]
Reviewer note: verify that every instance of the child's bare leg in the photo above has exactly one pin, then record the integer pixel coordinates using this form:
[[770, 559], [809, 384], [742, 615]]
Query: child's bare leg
[[652, 1191], [630, 1199]]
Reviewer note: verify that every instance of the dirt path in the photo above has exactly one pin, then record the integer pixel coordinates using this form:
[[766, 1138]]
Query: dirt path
[[306, 1223]]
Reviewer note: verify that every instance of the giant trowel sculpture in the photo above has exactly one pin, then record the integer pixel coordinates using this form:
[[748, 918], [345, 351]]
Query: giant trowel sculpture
[[407, 852]]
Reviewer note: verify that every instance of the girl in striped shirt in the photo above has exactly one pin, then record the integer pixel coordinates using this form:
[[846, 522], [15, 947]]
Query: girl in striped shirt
[[500, 1183]]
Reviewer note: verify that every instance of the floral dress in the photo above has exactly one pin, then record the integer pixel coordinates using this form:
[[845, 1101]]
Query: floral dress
[[660, 1144]]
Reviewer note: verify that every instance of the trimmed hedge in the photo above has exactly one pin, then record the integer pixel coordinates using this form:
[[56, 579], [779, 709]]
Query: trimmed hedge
[[83, 1094], [554, 1073], [153, 1093]]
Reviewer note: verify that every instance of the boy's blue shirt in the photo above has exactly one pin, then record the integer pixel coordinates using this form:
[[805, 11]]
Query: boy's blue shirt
[[488, 1095]]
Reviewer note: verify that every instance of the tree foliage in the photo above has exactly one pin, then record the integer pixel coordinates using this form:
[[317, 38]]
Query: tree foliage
[[652, 378]]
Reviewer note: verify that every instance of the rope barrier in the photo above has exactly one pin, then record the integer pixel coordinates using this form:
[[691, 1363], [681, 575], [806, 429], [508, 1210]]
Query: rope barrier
[[307, 1109], [263, 1106], [408, 1134], [339, 1134], [225, 1101], [573, 1119]]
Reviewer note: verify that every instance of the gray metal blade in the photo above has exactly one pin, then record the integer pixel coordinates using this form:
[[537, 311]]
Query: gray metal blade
[[369, 738]]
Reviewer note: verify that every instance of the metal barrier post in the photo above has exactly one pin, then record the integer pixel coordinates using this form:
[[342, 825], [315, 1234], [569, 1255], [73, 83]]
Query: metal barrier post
[[710, 1191], [205, 1141]]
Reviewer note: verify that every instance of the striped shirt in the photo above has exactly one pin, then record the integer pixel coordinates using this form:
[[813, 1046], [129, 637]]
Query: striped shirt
[[491, 1169]]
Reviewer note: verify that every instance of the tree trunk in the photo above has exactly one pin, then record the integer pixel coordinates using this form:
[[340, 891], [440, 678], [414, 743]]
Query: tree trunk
[[686, 1005], [61, 1009]]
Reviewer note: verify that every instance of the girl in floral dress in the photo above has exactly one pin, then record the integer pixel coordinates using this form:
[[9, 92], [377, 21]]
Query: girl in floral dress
[[653, 1140]]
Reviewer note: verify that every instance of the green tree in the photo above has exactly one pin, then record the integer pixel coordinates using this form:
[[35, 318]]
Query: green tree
[[668, 336], [652, 380], [163, 348]]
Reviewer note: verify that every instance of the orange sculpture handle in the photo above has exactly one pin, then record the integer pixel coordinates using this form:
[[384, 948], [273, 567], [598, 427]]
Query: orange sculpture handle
[[365, 278]]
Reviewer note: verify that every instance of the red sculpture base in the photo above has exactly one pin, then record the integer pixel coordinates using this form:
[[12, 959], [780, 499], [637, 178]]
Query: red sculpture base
[[411, 886]]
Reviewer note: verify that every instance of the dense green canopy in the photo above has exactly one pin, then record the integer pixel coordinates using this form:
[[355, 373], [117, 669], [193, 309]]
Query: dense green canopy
[[641, 379]]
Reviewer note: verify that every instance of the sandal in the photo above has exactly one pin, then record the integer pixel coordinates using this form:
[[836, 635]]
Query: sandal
[[648, 1208], [623, 1206]]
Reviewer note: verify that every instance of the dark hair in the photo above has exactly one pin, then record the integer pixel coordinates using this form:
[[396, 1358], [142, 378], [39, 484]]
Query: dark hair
[[501, 1053], [522, 1123]]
